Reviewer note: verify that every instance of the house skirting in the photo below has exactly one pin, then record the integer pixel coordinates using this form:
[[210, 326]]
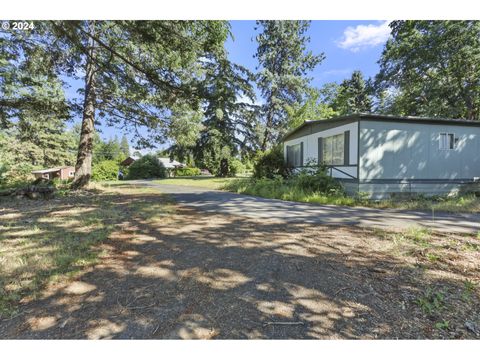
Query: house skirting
[[395, 188]]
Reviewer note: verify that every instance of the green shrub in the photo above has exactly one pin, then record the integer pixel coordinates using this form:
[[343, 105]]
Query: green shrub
[[105, 170], [187, 171], [3, 174], [236, 167], [270, 164], [147, 167], [316, 181]]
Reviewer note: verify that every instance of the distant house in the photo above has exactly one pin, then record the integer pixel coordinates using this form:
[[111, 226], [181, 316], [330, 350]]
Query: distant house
[[62, 173], [383, 156], [171, 164], [129, 161]]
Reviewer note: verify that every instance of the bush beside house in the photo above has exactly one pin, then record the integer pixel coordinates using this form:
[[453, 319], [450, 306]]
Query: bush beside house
[[187, 171], [146, 167], [270, 164]]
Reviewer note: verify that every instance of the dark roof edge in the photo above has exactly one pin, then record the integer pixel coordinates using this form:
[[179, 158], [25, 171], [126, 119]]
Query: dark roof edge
[[352, 117], [367, 116]]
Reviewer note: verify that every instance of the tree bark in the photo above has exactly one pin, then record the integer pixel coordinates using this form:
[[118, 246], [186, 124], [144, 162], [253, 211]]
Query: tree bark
[[268, 130], [83, 167]]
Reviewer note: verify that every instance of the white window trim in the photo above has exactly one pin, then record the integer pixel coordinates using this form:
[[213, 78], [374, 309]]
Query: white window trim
[[71, 173], [448, 147]]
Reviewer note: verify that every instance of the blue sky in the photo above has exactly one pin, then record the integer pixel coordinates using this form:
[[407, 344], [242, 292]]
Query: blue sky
[[347, 45]]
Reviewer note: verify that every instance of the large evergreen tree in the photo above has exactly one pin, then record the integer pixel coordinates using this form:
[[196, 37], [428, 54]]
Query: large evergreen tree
[[133, 71], [284, 63], [431, 68], [227, 121]]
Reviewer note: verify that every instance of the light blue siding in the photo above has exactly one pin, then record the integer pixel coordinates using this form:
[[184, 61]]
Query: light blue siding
[[396, 150]]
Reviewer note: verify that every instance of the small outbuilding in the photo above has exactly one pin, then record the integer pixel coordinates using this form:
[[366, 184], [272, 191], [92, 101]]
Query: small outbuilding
[[129, 161], [386, 156], [62, 173]]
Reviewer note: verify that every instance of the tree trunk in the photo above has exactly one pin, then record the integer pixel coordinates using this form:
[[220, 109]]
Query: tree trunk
[[267, 132], [83, 167]]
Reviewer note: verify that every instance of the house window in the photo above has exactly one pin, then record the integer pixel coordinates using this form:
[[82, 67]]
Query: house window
[[71, 173], [447, 141], [333, 150], [295, 155]]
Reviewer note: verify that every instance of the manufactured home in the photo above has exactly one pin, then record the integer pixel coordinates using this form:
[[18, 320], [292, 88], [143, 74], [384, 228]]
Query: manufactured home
[[387, 156]]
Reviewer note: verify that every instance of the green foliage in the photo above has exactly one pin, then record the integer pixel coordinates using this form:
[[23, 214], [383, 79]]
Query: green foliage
[[317, 181], [105, 170], [291, 189], [270, 164], [111, 149], [124, 147], [442, 325], [468, 290], [215, 156], [430, 68], [236, 167], [353, 96], [123, 85], [187, 171], [431, 301], [313, 107], [228, 112], [146, 167], [184, 131], [284, 62]]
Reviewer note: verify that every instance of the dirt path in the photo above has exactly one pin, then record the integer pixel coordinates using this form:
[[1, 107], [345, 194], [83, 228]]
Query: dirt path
[[196, 274], [212, 201]]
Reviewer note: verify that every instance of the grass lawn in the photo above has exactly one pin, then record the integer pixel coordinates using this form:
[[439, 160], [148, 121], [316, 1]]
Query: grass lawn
[[208, 182], [47, 241], [280, 189]]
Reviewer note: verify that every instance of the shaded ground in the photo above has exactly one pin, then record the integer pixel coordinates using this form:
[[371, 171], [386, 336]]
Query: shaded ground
[[212, 201], [194, 274]]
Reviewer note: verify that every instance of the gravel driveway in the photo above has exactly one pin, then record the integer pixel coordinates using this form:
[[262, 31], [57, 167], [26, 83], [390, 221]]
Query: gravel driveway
[[214, 201]]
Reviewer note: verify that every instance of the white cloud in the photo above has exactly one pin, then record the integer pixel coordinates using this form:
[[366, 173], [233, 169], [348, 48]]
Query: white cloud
[[364, 36]]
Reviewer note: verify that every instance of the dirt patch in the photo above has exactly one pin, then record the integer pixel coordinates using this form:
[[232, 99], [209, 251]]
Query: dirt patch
[[192, 275]]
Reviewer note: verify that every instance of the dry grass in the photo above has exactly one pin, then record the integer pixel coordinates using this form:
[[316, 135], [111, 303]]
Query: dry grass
[[162, 271], [49, 241]]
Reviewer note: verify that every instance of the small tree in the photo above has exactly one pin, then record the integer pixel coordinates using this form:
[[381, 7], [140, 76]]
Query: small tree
[[105, 170], [271, 163], [147, 167]]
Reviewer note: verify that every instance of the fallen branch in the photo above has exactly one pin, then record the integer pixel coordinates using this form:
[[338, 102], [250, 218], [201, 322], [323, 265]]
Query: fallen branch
[[283, 323], [340, 290], [31, 191]]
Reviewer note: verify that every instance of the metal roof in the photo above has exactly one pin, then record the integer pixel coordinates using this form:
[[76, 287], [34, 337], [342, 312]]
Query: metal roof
[[43, 171], [391, 118]]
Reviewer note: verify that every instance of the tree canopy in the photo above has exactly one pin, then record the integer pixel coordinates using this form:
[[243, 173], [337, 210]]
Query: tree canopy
[[172, 83], [431, 68], [284, 65]]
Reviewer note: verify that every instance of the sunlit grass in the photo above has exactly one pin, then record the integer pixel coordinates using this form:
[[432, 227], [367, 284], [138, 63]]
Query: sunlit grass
[[51, 241], [199, 181], [289, 190]]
